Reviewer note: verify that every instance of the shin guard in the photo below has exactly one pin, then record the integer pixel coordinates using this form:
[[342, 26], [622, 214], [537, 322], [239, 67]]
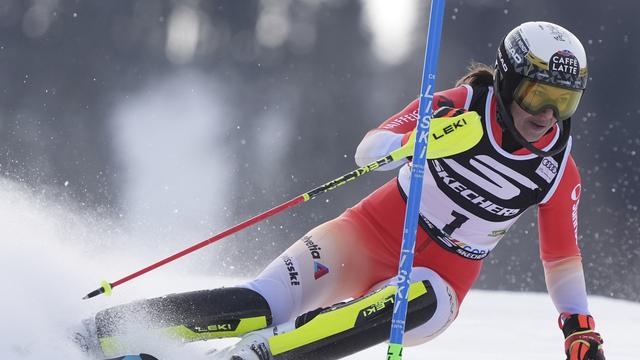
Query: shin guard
[[346, 328], [197, 315]]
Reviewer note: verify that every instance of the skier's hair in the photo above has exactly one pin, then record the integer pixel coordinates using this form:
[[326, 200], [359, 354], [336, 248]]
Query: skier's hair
[[478, 75]]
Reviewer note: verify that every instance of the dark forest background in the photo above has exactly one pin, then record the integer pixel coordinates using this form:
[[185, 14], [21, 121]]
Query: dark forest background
[[186, 117]]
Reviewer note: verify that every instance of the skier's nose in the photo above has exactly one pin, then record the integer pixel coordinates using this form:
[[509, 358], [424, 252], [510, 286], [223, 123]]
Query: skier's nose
[[547, 115]]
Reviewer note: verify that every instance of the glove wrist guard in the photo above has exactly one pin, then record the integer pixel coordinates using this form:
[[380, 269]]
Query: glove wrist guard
[[581, 341]]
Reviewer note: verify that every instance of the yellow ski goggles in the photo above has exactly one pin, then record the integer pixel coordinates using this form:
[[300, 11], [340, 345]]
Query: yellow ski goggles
[[534, 97]]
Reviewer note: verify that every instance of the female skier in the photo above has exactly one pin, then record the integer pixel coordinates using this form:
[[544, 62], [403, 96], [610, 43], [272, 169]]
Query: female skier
[[293, 309]]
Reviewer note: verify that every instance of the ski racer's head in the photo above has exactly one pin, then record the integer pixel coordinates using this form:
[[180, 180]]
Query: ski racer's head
[[541, 73]]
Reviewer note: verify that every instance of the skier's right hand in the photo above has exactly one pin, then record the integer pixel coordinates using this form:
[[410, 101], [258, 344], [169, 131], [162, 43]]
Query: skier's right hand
[[581, 341]]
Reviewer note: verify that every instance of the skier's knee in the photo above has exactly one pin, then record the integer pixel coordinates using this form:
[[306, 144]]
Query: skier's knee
[[443, 314], [346, 328], [281, 286]]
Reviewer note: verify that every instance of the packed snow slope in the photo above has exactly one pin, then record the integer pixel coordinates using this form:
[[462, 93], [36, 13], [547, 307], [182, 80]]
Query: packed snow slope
[[54, 253]]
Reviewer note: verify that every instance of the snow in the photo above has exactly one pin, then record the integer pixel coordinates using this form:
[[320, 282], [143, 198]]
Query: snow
[[53, 254]]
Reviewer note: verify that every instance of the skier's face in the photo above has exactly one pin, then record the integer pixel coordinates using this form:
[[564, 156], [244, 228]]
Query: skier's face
[[532, 127]]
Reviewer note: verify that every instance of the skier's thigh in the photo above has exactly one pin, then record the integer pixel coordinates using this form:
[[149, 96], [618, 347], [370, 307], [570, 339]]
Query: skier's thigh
[[324, 267]]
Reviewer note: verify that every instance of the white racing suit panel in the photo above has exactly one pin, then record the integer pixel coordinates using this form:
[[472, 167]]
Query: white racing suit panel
[[328, 266]]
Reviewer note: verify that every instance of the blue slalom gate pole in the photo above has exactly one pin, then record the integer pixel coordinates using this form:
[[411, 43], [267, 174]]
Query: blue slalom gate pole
[[396, 338]]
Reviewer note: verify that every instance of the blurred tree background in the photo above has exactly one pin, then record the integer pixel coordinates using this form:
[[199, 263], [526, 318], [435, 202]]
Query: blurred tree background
[[177, 119]]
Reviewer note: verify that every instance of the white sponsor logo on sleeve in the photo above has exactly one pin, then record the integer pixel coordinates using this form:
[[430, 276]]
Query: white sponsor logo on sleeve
[[575, 196], [548, 169]]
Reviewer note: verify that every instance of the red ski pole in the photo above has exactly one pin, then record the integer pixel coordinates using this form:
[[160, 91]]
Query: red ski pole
[[106, 287], [467, 137]]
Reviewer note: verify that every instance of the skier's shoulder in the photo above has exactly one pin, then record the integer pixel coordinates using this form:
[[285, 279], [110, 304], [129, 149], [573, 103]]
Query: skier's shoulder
[[570, 173], [458, 97], [569, 184]]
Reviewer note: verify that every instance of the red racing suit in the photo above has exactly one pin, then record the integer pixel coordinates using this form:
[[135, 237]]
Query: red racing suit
[[470, 200]]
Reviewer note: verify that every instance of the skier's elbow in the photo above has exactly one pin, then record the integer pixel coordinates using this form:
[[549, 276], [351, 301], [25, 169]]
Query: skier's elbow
[[376, 145]]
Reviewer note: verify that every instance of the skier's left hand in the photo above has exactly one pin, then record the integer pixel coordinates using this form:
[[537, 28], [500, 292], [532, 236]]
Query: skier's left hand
[[581, 341]]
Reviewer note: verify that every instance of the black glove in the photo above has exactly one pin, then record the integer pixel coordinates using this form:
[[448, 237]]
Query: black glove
[[581, 341]]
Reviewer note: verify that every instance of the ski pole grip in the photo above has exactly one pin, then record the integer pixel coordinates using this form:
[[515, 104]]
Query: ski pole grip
[[105, 288]]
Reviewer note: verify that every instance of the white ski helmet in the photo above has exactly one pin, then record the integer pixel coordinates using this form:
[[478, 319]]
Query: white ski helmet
[[540, 66]]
